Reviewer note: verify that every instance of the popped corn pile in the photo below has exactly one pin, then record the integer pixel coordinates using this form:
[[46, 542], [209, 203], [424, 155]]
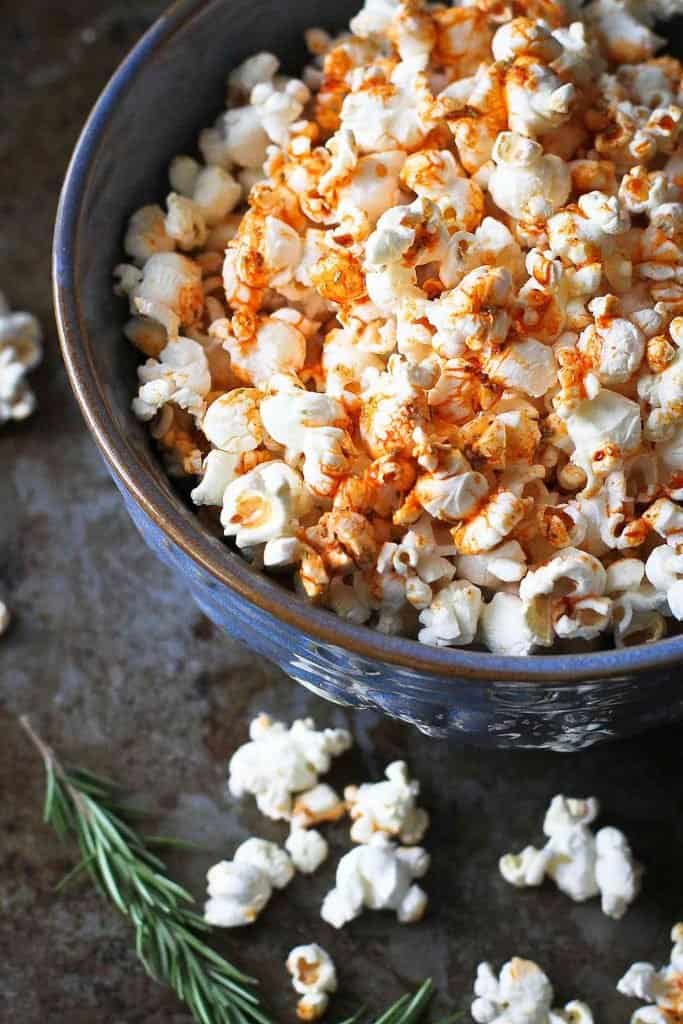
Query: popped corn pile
[[414, 324]]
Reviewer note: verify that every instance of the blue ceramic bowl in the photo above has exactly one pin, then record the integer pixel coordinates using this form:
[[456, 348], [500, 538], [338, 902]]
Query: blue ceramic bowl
[[171, 85]]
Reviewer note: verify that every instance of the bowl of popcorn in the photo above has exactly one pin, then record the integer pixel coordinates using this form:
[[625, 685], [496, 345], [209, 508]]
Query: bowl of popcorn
[[381, 342]]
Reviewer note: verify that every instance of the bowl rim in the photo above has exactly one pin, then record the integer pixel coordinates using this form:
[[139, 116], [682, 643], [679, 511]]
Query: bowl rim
[[180, 524]]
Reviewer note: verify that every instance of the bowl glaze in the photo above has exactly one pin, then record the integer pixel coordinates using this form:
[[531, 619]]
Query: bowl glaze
[[170, 86]]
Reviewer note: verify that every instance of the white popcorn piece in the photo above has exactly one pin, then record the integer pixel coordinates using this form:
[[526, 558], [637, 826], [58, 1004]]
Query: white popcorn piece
[[239, 889], [237, 138], [146, 235], [504, 564], [280, 762], [582, 864], [21, 349], [232, 423], [279, 108], [314, 978], [661, 989], [378, 875], [263, 504], [503, 626], [307, 848], [168, 289], [490, 525], [261, 67], [622, 30], [538, 101], [526, 183], [389, 807], [566, 595], [276, 347], [180, 375], [185, 223], [664, 570], [607, 424], [311, 427], [526, 365], [395, 113], [521, 994], [316, 805], [218, 470], [452, 617], [374, 18]]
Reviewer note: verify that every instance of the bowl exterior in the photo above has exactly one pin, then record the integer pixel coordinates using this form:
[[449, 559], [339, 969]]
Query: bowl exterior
[[486, 713], [146, 115]]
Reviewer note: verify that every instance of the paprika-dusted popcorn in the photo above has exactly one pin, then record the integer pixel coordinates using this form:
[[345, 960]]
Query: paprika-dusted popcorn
[[414, 322]]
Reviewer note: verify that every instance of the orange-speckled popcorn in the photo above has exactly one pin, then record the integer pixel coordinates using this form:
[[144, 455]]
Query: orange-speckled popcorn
[[414, 322]]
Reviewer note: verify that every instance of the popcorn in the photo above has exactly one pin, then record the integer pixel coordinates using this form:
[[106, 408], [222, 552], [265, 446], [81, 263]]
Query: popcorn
[[314, 978], [494, 520], [451, 492], [237, 138], [522, 993], [566, 595], [664, 570], [279, 762], [504, 564], [661, 989], [387, 807], [526, 183], [622, 32], [503, 626], [451, 618], [317, 805], [218, 470], [311, 426], [378, 875], [440, 346], [21, 350], [146, 235], [261, 348], [180, 375], [581, 863], [307, 848], [239, 889], [526, 365], [615, 345], [168, 289]]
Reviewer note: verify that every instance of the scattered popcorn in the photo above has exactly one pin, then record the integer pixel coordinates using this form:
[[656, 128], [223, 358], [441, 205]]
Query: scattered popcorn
[[317, 805], [280, 762], [307, 848], [387, 807], [21, 350], [239, 889], [661, 989], [413, 321], [314, 978], [521, 994], [378, 875], [581, 863]]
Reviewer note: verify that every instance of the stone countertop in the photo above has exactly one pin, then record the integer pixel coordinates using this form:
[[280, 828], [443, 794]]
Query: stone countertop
[[122, 674]]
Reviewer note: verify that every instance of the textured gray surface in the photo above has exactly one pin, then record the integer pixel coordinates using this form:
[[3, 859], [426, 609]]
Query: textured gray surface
[[121, 673]]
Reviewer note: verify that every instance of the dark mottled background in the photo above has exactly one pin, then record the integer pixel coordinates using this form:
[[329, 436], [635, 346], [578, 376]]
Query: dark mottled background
[[121, 673]]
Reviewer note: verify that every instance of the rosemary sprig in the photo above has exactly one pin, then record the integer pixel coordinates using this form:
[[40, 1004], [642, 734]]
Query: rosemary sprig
[[120, 862], [406, 1010]]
